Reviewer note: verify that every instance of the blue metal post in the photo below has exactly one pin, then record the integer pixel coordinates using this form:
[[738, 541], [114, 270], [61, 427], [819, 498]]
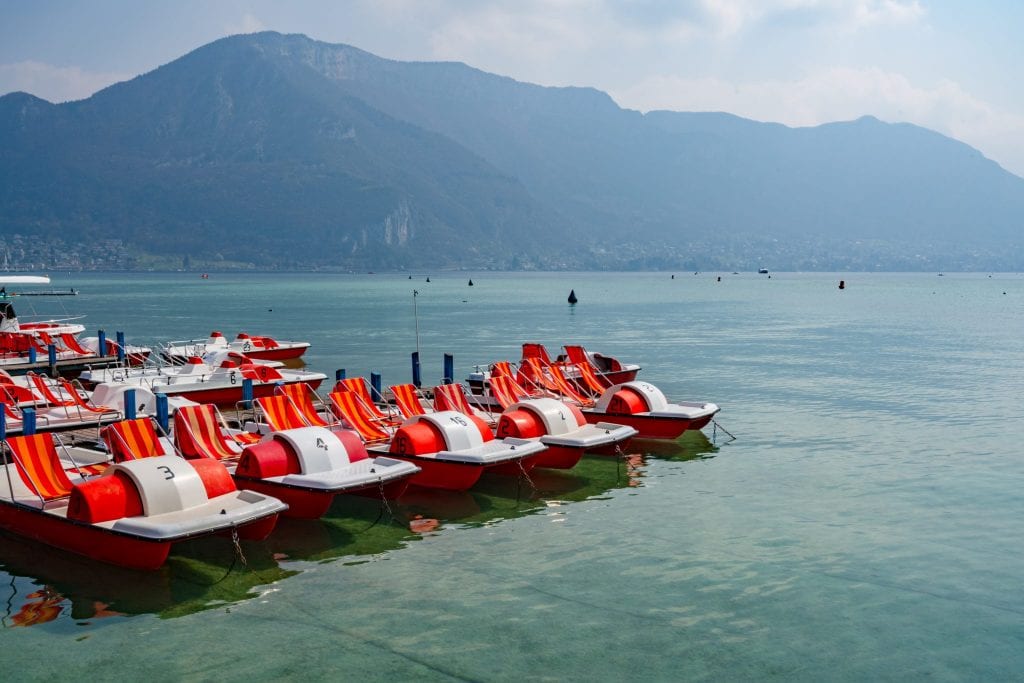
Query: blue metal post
[[416, 380], [163, 417], [375, 394], [247, 393], [120, 347], [28, 421], [51, 354], [129, 404], [101, 342], [3, 426], [339, 374], [449, 368], [31, 354]]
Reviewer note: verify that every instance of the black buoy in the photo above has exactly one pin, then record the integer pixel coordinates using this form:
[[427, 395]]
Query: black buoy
[[572, 297], [673, 277], [842, 284], [428, 279], [470, 282]]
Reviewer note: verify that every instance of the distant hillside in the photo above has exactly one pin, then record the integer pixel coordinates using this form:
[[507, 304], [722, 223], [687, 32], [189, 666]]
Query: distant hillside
[[280, 151]]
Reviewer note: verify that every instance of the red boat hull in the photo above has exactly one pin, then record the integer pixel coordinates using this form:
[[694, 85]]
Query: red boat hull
[[559, 457], [277, 353], [515, 468], [438, 474], [647, 426], [312, 503], [84, 539], [102, 544], [231, 394]]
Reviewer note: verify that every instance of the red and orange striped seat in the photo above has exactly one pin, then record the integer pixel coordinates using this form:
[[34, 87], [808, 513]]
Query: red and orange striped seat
[[359, 387], [280, 413], [36, 460], [198, 433], [301, 395], [506, 391], [565, 387], [407, 398], [352, 410], [451, 397], [132, 439]]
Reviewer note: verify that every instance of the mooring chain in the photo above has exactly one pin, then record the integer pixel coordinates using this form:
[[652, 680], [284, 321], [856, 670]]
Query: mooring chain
[[238, 546]]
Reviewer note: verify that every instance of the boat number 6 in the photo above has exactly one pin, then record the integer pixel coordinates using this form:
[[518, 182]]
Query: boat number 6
[[167, 471], [234, 380]]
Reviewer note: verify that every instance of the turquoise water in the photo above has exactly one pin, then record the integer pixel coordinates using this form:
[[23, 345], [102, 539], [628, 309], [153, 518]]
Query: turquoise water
[[866, 523]]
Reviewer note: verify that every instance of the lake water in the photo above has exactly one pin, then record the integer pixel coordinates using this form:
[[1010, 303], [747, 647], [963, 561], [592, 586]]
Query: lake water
[[866, 524]]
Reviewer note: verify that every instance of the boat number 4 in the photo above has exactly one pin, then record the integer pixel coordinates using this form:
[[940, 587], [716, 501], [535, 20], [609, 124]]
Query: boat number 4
[[166, 470], [321, 444]]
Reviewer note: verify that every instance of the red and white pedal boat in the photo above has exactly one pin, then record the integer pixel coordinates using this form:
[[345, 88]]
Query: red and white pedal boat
[[453, 450], [563, 429], [643, 406], [254, 346], [202, 382], [130, 515], [305, 467]]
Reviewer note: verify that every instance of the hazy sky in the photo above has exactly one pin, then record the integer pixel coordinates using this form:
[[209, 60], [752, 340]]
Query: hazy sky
[[952, 66]]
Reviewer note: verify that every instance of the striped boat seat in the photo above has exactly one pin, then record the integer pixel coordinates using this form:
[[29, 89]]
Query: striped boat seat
[[352, 410], [198, 433], [132, 439], [36, 460], [407, 398], [280, 413], [301, 395]]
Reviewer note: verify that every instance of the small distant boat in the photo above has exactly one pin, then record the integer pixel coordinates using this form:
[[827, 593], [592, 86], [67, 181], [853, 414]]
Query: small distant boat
[[762, 271], [572, 296], [470, 282]]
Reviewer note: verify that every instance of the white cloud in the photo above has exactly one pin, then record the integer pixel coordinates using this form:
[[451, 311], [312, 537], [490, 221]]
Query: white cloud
[[54, 83], [248, 24], [837, 94]]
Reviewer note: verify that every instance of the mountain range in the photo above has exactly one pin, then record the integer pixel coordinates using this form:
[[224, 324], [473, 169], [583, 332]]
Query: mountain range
[[279, 151]]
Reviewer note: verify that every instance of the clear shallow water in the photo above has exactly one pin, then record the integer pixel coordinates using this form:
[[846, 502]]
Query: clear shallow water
[[865, 524]]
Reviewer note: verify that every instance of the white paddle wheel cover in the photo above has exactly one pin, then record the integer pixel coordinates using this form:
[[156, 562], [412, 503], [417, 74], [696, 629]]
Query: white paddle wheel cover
[[459, 431], [317, 449], [166, 483], [558, 419]]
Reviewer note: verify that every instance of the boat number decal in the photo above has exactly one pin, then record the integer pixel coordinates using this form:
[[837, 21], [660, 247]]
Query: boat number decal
[[459, 421], [167, 471], [234, 379], [320, 443], [247, 346]]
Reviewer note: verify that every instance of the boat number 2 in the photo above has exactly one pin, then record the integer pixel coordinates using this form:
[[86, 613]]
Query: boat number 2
[[167, 471]]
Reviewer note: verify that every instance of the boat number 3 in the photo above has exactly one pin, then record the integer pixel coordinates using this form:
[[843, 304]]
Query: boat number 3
[[459, 421], [167, 471]]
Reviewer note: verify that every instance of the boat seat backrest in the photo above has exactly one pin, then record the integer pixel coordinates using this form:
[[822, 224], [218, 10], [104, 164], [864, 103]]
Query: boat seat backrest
[[37, 462], [407, 398], [133, 439], [198, 433], [280, 413]]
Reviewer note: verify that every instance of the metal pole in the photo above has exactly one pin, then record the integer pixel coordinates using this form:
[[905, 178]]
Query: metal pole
[[416, 316]]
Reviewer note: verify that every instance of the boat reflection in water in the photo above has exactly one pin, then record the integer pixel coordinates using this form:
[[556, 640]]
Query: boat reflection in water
[[48, 585]]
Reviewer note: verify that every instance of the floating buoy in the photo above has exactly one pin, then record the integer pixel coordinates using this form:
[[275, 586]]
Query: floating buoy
[[842, 284], [428, 279], [673, 277], [572, 297], [471, 282], [719, 278]]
